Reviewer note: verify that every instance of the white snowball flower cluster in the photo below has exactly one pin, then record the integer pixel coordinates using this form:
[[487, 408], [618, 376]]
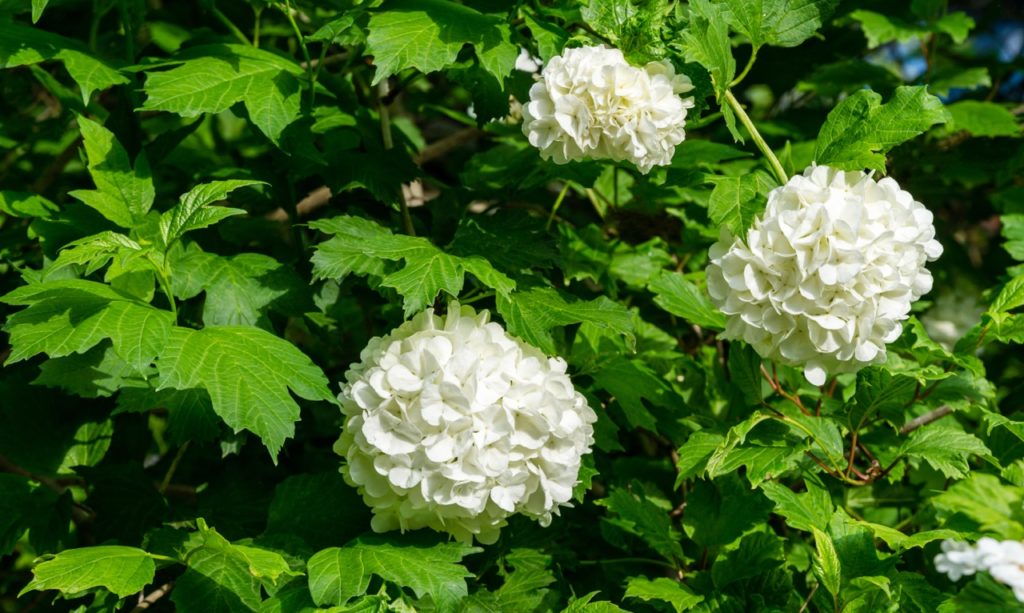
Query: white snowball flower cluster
[[591, 103], [1004, 560], [454, 425], [827, 273]]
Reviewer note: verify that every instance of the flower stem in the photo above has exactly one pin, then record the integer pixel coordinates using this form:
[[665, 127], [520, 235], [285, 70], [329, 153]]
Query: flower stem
[[221, 17], [746, 69], [287, 10], [773, 161], [383, 89]]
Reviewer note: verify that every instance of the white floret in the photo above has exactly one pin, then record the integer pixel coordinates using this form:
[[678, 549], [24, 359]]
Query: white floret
[[454, 425], [824, 278], [590, 103]]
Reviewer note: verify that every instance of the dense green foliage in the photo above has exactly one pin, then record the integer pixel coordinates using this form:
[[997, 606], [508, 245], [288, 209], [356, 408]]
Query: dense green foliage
[[208, 208]]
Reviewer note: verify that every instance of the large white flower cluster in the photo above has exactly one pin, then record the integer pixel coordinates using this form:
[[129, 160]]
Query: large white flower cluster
[[827, 273], [591, 103], [1004, 560], [454, 425]]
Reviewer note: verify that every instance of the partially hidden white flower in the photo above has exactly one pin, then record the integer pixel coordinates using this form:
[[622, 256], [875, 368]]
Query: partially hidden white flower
[[591, 103], [825, 276], [452, 424], [527, 62], [958, 560], [1004, 560], [954, 312]]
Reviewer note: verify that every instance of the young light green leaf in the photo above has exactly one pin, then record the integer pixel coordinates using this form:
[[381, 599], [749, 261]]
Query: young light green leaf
[[338, 574], [248, 373], [122, 570], [736, 201], [677, 595], [531, 315], [983, 119], [826, 562], [123, 194], [22, 45], [74, 315], [796, 20], [194, 211], [679, 297], [239, 289], [38, 6], [801, 511], [222, 576], [861, 130], [706, 42], [94, 252], [945, 449], [211, 78], [880, 29], [25, 204], [428, 35], [359, 246]]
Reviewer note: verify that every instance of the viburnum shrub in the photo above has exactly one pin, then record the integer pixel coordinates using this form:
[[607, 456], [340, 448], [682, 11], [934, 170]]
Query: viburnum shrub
[[511, 305]]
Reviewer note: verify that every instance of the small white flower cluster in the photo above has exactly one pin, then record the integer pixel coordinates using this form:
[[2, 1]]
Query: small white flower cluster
[[827, 273], [1004, 560], [454, 425], [591, 103]]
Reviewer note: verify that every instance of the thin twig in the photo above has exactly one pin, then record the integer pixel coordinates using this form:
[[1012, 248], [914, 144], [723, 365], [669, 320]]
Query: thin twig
[[154, 596], [926, 419]]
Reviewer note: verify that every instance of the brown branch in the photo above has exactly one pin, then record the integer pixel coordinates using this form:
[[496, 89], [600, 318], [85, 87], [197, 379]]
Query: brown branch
[[154, 596], [926, 419], [320, 196]]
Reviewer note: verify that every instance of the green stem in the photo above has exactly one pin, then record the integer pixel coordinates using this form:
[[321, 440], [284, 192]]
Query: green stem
[[173, 467], [221, 17], [773, 161], [165, 282], [746, 69], [256, 26], [287, 9], [558, 203]]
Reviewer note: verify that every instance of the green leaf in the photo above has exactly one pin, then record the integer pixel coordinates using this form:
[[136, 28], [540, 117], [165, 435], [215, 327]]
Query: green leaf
[[190, 412], [23, 506], [719, 511], [706, 42], [25, 204], [677, 595], [122, 570], [679, 297], [861, 130], [826, 565], [736, 201], [757, 554], [248, 373], [639, 516], [338, 574], [633, 27], [211, 78], [983, 119], [94, 252], [945, 449], [631, 382], [225, 577], [880, 29], [194, 211], [801, 511], [525, 587], [360, 246], [123, 194], [239, 289], [24, 46], [783, 23], [38, 6], [428, 35], [531, 315], [73, 315], [550, 38], [587, 604]]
